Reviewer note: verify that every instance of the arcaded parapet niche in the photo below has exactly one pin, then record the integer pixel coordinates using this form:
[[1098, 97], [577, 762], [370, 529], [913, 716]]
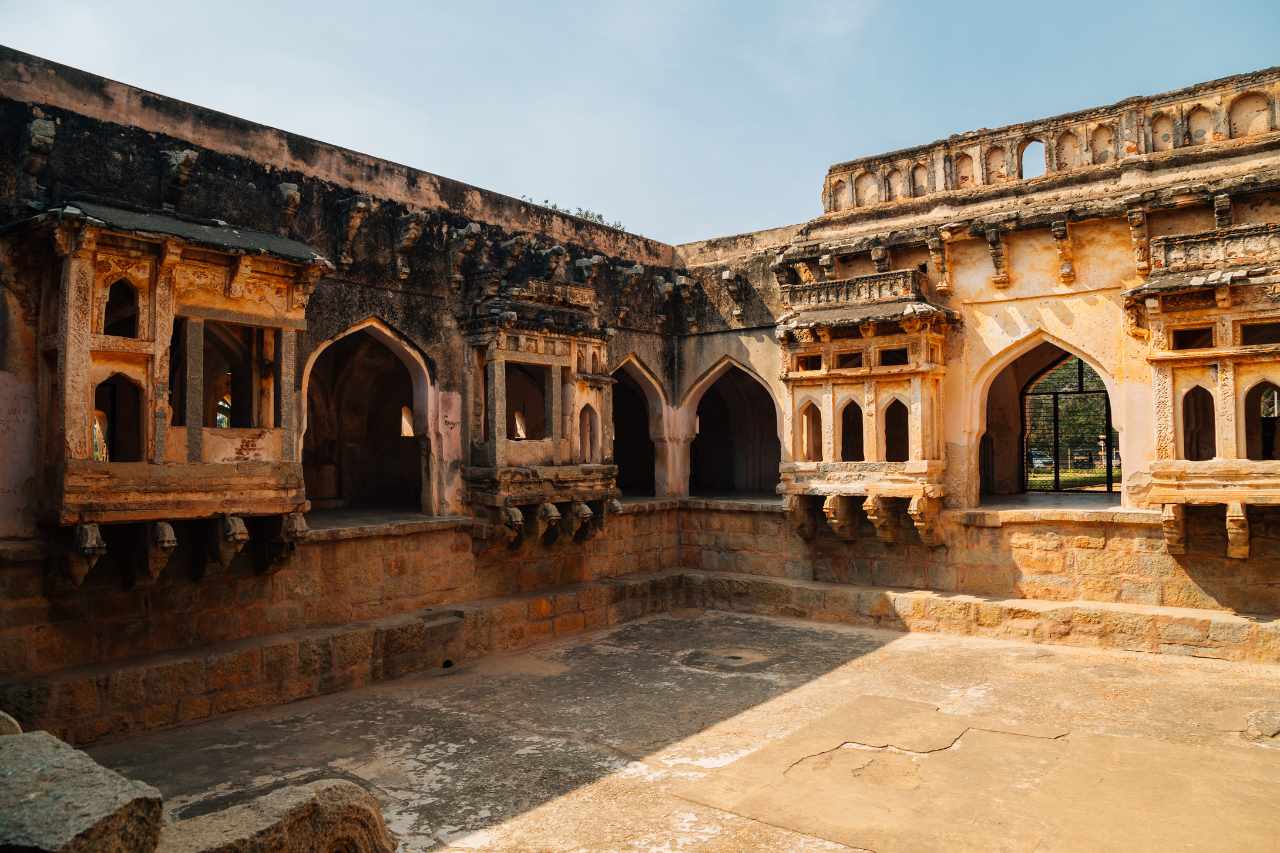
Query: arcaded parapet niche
[[1090, 142]]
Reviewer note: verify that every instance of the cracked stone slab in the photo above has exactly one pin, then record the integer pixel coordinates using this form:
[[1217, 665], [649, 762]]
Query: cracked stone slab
[[53, 797], [888, 774]]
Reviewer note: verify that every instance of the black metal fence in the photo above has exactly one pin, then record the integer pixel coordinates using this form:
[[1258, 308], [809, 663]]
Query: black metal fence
[[1068, 443]]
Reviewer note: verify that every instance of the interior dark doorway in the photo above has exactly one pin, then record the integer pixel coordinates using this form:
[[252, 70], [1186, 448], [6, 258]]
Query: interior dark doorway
[[360, 449], [633, 450], [736, 450]]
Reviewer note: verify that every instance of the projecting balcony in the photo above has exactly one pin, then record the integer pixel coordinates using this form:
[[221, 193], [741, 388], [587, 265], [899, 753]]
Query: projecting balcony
[[862, 290]]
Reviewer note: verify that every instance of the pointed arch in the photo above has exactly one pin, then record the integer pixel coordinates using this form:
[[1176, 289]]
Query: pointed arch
[[693, 394], [655, 394], [895, 429], [1199, 430], [1262, 420], [588, 434], [852, 447], [809, 435], [424, 393]]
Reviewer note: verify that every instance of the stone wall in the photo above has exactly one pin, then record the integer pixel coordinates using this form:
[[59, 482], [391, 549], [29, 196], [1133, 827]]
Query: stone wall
[[334, 578], [1045, 555]]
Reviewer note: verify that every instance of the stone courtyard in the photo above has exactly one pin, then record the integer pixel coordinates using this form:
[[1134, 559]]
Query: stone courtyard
[[722, 732], [346, 505]]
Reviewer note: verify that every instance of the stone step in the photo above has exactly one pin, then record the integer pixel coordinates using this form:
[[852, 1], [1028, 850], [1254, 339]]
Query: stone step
[[1129, 627], [109, 701]]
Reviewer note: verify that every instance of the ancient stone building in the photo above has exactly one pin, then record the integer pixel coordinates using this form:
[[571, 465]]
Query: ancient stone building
[[280, 418]]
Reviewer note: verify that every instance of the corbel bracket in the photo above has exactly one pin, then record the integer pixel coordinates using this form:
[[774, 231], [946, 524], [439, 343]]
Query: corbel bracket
[[1062, 240]]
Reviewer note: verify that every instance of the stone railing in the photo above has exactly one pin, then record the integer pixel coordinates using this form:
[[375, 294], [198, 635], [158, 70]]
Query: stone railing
[[892, 286], [1239, 246], [554, 293], [1203, 114]]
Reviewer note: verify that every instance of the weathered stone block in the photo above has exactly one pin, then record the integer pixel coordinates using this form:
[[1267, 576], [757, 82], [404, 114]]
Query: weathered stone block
[[56, 798]]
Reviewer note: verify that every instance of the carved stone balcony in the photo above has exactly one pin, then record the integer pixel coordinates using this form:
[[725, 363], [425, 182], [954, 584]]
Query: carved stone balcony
[[859, 291], [1244, 245]]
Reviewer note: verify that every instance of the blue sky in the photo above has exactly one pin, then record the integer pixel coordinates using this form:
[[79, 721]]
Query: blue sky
[[682, 120]]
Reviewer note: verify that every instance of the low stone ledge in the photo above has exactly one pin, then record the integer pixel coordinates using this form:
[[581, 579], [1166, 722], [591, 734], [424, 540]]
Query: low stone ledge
[[642, 505], [53, 797], [733, 505], [1130, 627], [354, 529], [1049, 515], [108, 701]]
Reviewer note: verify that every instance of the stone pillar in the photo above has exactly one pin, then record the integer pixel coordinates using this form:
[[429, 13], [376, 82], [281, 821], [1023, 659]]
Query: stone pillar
[[195, 388], [496, 402], [671, 466], [1162, 389], [286, 369], [75, 310], [558, 411], [915, 423], [870, 435], [1225, 429], [829, 450]]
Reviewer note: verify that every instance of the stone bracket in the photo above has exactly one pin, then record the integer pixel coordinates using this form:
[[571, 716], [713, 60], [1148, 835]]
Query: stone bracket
[[408, 231], [799, 516], [841, 517], [1237, 531], [511, 524], [938, 257], [1139, 235], [1173, 521], [925, 513], [995, 245], [575, 522], [1062, 240], [161, 543], [1222, 213], [882, 518], [78, 559], [228, 538], [547, 524]]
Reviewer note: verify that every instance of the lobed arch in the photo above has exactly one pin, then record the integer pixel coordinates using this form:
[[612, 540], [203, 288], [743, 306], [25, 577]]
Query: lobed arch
[[426, 403]]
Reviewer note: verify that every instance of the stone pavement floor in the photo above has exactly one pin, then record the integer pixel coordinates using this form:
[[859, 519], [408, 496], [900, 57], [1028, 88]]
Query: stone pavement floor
[[720, 732]]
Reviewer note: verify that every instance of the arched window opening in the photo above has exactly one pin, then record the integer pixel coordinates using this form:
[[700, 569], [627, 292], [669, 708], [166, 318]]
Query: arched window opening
[[1048, 427], [963, 166], [1199, 441], [228, 375], [996, 169], [360, 449], [588, 435], [1067, 150], [1261, 415], [897, 432], [121, 316], [1103, 143], [919, 180], [810, 437], [595, 363], [736, 449], [1199, 126], [895, 185], [1162, 133], [866, 190], [851, 449], [117, 421], [1068, 441], [527, 416], [1249, 115], [633, 450], [838, 192], [1031, 162]]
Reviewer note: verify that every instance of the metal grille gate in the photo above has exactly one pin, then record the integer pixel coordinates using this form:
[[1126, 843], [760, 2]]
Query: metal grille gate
[[1068, 443]]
